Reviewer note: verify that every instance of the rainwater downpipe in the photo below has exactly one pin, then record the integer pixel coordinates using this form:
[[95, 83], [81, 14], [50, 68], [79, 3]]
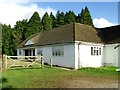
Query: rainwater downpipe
[[79, 65]]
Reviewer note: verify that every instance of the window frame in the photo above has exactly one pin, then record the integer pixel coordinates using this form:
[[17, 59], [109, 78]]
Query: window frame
[[20, 52], [58, 50], [95, 51], [40, 52]]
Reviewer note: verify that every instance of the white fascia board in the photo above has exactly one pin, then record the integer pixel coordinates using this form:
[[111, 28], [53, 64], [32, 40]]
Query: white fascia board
[[112, 44], [26, 47], [89, 43], [29, 42]]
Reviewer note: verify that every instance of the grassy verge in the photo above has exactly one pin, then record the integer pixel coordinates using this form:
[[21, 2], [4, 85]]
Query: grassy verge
[[54, 77]]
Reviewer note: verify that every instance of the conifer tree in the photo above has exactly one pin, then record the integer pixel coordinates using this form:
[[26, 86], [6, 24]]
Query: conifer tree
[[53, 20], [34, 25], [6, 39], [78, 18], [60, 18], [86, 17], [70, 17], [46, 22]]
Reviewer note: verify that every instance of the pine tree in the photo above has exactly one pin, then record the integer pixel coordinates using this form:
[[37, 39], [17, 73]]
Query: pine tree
[[86, 17], [6, 39], [60, 18], [46, 22], [82, 17], [78, 18], [53, 20], [34, 25], [20, 29], [70, 17]]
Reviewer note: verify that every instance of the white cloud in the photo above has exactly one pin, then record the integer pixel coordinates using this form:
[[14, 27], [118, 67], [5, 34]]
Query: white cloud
[[101, 23], [10, 12]]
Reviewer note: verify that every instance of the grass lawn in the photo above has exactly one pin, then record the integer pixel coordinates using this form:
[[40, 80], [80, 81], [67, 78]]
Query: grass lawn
[[104, 77]]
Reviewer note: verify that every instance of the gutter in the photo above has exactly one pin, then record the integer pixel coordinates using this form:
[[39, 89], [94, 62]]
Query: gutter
[[116, 46]]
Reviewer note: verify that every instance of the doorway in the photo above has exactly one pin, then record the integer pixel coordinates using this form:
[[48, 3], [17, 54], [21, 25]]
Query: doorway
[[29, 52]]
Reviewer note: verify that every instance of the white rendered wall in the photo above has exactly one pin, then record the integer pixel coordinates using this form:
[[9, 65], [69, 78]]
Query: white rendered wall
[[85, 57], [22, 52], [119, 56], [67, 60], [110, 55], [76, 57]]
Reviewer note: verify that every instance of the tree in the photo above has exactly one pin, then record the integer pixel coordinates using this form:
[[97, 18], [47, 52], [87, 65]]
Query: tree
[[53, 20], [78, 18], [6, 39], [86, 17], [70, 17], [34, 25], [60, 18], [46, 22], [20, 29]]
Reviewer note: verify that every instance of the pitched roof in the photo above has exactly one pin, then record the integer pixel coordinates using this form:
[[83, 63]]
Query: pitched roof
[[69, 33], [110, 35], [57, 35], [86, 33]]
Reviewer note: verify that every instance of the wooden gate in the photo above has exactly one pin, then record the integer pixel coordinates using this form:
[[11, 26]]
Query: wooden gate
[[22, 61]]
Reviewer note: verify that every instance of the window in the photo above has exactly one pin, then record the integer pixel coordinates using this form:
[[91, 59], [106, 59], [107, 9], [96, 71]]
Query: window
[[100, 51], [39, 52], [91, 50], [19, 52], [95, 51], [58, 51]]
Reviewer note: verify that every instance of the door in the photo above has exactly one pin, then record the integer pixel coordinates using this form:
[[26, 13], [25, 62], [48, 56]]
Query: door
[[26, 52], [33, 52]]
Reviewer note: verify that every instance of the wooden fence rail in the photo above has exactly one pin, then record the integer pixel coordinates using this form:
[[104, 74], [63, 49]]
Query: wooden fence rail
[[24, 61]]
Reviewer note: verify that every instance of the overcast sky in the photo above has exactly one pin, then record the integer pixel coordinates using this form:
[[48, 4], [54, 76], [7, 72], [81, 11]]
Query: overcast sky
[[104, 14]]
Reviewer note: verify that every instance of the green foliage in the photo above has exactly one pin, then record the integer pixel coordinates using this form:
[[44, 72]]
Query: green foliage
[[53, 20], [19, 30], [34, 25], [70, 17], [78, 18], [11, 37], [6, 39], [46, 22], [60, 18], [86, 17]]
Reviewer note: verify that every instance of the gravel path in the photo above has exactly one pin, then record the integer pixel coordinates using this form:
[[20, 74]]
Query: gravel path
[[90, 83]]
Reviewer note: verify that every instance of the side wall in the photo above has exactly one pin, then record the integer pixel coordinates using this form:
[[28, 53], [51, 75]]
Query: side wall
[[67, 60], [119, 56], [22, 52], [84, 57], [111, 55]]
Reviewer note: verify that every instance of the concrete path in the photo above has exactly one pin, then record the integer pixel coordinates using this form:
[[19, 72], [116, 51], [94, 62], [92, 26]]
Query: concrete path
[[63, 68]]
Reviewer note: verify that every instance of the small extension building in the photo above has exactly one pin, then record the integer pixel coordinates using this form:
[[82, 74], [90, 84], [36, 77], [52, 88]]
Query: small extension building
[[75, 45]]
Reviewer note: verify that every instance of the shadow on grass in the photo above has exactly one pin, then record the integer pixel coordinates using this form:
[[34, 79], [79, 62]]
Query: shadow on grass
[[3, 80], [7, 87]]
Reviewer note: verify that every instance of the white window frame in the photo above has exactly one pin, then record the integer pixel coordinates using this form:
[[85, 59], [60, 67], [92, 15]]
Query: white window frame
[[95, 51], [39, 52], [58, 51], [20, 52]]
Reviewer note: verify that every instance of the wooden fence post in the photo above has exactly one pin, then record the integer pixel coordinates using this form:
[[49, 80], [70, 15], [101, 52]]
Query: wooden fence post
[[50, 62], [42, 61], [4, 61]]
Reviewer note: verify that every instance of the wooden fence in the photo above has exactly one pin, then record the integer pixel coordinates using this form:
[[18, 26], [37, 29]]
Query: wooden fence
[[24, 61]]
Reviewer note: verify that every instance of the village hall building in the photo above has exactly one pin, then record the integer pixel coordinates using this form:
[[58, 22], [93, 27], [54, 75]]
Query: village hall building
[[75, 45]]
